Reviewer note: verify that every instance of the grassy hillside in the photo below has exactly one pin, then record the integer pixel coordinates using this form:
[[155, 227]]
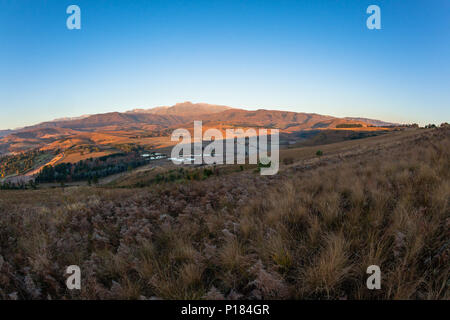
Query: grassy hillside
[[309, 232]]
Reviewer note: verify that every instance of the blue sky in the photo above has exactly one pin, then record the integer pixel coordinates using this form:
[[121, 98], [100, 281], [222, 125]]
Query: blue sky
[[305, 56]]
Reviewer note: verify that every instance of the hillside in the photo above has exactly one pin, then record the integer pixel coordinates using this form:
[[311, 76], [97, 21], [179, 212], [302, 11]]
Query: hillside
[[374, 122], [112, 119], [283, 120], [307, 233]]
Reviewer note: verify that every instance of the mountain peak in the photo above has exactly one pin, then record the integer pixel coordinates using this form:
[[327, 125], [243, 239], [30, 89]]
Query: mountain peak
[[186, 108]]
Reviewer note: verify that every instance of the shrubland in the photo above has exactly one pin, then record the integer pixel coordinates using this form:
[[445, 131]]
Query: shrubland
[[309, 232]]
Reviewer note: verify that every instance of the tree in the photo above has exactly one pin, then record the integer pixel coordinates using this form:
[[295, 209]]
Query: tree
[[32, 184]]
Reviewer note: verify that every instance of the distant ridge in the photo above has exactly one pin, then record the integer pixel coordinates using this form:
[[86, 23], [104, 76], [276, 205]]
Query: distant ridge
[[72, 118], [184, 109], [377, 123], [5, 132]]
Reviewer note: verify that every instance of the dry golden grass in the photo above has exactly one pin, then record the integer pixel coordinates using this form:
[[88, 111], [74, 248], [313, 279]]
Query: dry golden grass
[[309, 232]]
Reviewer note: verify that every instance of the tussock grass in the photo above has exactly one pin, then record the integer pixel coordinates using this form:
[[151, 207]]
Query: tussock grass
[[308, 233]]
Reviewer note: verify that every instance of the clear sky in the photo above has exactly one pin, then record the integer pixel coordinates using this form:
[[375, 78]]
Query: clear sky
[[303, 55]]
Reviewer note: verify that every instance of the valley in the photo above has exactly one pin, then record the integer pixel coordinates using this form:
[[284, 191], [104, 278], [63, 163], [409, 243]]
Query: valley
[[79, 140]]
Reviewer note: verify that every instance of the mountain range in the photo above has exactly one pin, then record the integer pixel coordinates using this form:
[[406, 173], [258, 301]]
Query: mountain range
[[118, 127]]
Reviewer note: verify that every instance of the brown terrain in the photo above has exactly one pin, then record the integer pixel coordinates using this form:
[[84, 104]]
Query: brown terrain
[[153, 127], [226, 232]]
